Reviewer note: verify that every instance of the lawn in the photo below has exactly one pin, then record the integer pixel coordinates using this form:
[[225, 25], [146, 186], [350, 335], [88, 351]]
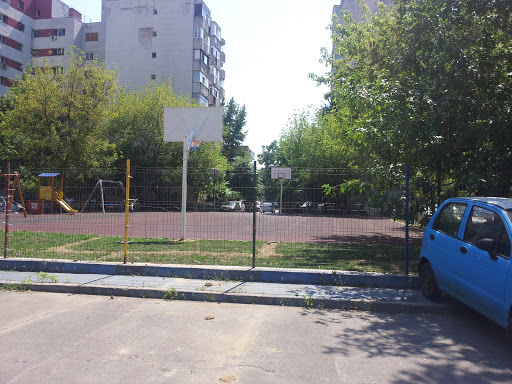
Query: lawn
[[363, 258]]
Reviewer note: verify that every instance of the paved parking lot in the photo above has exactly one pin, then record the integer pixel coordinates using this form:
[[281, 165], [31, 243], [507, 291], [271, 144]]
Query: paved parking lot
[[62, 338]]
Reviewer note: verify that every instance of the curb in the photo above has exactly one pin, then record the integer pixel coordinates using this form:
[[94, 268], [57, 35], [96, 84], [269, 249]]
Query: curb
[[377, 306], [246, 274]]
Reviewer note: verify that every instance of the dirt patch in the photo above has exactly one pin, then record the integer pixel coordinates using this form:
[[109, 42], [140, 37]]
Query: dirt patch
[[268, 250]]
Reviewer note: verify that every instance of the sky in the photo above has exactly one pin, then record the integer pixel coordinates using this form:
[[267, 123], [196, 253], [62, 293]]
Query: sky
[[271, 47]]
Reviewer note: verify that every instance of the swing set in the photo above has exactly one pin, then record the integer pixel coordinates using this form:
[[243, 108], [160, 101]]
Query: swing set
[[113, 202]]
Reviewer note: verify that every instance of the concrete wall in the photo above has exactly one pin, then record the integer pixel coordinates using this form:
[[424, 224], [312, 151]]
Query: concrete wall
[[96, 47], [130, 42]]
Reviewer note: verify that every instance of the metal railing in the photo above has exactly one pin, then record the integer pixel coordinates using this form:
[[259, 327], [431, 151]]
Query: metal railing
[[312, 228]]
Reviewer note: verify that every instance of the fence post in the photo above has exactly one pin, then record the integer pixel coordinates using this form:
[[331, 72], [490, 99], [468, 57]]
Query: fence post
[[126, 211], [7, 209], [407, 219], [254, 198]]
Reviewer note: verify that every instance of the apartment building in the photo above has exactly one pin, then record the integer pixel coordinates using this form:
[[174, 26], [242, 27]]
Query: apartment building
[[145, 39]]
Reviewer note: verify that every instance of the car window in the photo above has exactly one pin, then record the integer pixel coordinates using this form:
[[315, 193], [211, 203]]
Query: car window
[[484, 223], [448, 220]]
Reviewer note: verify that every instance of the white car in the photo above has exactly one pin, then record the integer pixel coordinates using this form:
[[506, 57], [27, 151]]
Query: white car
[[16, 207], [234, 206]]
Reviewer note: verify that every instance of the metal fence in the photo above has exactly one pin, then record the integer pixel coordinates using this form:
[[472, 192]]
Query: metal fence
[[233, 218]]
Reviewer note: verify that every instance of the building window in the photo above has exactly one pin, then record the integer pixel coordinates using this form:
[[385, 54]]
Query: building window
[[155, 11], [199, 77], [57, 52], [198, 32], [19, 67], [93, 36], [154, 33], [89, 56], [20, 47], [38, 13], [200, 99], [2, 79], [21, 5], [2, 39], [153, 77], [59, 32], [35, 33], [35, 52], [153, 55], [5, 19], [21, 27]]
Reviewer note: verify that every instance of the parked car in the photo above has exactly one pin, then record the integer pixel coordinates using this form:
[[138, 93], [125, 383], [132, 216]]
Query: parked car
[[308, 206], [234, 206], [249, 206], [466, 253], [16, 207], [267, 207]]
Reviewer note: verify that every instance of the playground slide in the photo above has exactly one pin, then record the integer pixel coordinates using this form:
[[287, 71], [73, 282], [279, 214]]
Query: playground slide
[[66, 206]]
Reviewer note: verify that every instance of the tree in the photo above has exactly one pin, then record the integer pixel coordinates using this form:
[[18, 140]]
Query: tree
[[429, 83], [7, 139], [58, 115], [136, 126], [272, 156], [234, 122]]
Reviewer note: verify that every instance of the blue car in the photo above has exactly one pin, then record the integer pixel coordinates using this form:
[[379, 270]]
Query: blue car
[[466, 253]]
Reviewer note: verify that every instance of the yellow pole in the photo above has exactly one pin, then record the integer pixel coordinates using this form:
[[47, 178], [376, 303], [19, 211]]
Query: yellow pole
[[127, 210]]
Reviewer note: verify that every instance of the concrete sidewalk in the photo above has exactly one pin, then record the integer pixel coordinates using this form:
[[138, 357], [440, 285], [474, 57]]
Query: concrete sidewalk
[[303, 288]]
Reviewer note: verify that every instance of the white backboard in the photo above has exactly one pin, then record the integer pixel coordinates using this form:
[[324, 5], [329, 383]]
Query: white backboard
[[205, 124], [278, 173]]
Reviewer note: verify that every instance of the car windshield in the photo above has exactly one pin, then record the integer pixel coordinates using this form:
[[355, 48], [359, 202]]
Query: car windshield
[[267, 204]]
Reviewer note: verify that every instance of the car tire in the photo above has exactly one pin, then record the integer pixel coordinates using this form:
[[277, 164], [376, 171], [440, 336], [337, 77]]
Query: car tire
[[428, 282]]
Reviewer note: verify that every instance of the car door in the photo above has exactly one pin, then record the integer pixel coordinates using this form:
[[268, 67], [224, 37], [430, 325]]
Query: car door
[[440, 244], [483, 274]]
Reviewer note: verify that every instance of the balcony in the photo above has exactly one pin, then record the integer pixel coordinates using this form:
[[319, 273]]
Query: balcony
[[200, 88], [202, 22], [201, 44]]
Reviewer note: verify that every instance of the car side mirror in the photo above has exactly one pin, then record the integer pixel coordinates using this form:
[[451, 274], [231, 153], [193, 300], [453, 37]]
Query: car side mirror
[[487, 244]]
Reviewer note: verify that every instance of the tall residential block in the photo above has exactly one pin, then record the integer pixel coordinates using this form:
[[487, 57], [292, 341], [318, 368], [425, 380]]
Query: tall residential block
[[145, 39]]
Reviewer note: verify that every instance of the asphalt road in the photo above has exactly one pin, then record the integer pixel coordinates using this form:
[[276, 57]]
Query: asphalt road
[[61, 338]]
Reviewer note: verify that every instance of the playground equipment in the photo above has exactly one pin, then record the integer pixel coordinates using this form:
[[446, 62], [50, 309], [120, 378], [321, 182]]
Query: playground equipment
[[15, 186], [51, 193], [115, 199]]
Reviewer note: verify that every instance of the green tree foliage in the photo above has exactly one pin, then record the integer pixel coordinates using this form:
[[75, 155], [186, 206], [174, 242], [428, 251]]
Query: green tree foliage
[[137, 129], [429, 82], [239, 172], [58, 116], [136, 125], [234, 123], [7, 139]]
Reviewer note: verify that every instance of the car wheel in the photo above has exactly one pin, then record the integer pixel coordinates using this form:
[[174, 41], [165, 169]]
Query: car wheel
[[428, 282]]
